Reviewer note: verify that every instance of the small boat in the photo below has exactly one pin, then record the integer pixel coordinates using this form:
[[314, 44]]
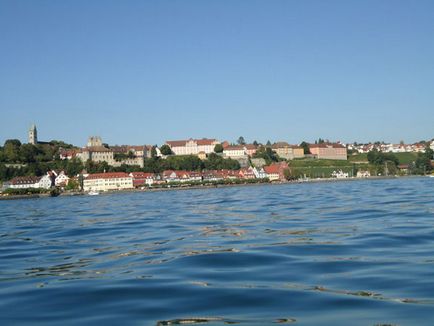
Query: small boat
[[93, 193]]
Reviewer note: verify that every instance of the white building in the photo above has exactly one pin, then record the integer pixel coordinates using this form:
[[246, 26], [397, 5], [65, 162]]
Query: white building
[[62, 179], [234, 151], [192, 146], [260, 173], [45, 182], [108, 181]]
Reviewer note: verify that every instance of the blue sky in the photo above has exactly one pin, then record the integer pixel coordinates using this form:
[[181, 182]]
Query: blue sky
[[142, 72]]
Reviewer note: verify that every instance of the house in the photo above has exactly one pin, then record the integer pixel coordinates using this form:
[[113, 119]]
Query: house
[[108, 181], [329, 151], [229, 174], [260, 173], [339, 174], [176, 176], [143, 178], [192, 146], [275, 171], [48, 180], [363, 174], [234, 151], [247, 173], [61, 179], [250, 149], [67, 154], [25, 182], [211, 175]]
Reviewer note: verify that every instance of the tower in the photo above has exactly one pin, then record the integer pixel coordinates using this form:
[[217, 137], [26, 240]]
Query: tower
[[33, 135]]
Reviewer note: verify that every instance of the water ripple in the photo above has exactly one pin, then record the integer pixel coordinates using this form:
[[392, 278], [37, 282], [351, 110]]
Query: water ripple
[[303, 253]]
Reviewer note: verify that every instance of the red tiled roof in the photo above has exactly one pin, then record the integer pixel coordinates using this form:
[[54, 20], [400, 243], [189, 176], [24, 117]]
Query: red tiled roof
[[205, 141], [25, 180], [234, 148], [275, 168], [142, 174], [109, 175], [176, 143]]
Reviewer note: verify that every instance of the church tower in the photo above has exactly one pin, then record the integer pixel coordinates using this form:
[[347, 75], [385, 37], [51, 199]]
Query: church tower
[[33, 135]]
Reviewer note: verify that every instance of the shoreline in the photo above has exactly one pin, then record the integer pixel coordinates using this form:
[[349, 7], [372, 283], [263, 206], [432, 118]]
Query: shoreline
[[196, 187]]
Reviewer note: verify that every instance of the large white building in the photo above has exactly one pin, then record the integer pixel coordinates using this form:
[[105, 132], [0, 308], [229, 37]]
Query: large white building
[[192, 146], [108, 181]]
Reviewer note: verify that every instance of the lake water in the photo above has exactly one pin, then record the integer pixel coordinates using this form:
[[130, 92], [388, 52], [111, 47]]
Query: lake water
[[343, 253]]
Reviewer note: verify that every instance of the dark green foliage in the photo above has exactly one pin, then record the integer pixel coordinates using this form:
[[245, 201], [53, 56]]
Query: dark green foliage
[[11, 150], [154, 151], [267, 154], [305, 147], [383, 163], [187, 162], [123, 156], [27, 191], [218, 148], [165, 150], [216, 162], [423, 165], [379, 158]]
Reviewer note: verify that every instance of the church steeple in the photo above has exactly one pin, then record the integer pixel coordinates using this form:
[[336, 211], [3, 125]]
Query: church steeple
[[33, 135]]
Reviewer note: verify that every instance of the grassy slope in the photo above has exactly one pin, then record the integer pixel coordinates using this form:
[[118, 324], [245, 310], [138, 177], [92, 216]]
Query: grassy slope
[[404, 158]]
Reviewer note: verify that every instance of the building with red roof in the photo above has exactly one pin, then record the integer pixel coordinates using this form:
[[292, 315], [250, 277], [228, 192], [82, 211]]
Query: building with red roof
[[108, 181], [276, 171]]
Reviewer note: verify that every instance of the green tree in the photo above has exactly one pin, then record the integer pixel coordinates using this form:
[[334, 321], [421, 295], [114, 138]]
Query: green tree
[[267, 154], [216, 162], [12, 150], [423, 163], [28, 153], [218, 148], [241, 141], [305, 147], [255, 143], [74, 167], [154, 151], [165, 150], [72, 185]]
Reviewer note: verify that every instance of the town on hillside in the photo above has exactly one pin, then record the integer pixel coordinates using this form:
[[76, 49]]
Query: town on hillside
[[98, 166]]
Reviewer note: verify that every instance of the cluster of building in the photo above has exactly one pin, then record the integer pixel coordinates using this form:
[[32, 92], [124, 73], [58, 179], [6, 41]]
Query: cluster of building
[[96, 151], [115, 156], [51, 179], [391, 148], [121, 180]]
